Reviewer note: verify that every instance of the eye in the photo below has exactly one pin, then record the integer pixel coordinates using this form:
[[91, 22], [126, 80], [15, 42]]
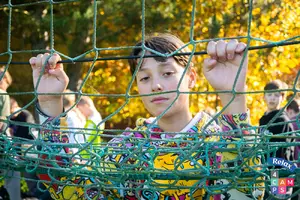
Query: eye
[[277, 95], [144, 78], [168, 73]]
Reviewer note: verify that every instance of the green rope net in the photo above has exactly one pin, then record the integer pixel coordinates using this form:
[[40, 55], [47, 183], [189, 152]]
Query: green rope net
[[95, 163]]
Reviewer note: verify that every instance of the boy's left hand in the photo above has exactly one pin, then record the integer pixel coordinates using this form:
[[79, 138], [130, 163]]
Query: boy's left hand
[[222, 67]]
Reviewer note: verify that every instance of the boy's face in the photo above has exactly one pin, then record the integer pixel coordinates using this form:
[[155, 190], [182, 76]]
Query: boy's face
[[291, 113], [154, 76], [273, 100]]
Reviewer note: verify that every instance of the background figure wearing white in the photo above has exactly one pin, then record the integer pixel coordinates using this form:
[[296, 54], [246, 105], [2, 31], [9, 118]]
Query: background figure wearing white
[[93, 119], [75, 119], [12, 178]]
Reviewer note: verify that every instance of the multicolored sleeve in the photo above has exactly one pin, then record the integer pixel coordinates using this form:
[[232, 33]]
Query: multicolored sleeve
[[244, 153], [238, 135], [58, 170], [236, 123]]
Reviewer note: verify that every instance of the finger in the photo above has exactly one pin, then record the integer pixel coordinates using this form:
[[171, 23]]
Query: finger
[[221, 50], [209, 64], [45, 58], [230, 49], [240, 47], [38, 62], [60, 75], [32, 62], [211, 50], [53, 61]]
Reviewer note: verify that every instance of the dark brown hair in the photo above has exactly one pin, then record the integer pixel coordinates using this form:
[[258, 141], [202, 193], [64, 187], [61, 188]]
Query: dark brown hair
[[163, 43], [294, 105], [276, 85]]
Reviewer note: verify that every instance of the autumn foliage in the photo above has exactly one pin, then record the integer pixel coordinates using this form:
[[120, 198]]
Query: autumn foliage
[[119, 24]]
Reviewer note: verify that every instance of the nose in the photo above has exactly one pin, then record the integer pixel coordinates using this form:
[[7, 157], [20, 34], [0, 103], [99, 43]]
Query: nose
[[156, 87], [273, 97]]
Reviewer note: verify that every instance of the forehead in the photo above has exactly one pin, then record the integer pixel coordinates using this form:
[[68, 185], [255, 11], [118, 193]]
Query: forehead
[[273, 93], [150, 63]]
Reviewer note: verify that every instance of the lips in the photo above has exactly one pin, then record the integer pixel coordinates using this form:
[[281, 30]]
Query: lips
[[159, 100]]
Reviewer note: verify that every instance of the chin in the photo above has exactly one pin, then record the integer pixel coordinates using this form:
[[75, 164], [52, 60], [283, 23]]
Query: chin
[[166, 114]]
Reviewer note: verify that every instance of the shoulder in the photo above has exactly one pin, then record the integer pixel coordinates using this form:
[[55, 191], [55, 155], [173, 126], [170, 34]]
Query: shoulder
[[130, 133], [264, 119], [282, 116], [4, 97], [203, 122], [96, 117]]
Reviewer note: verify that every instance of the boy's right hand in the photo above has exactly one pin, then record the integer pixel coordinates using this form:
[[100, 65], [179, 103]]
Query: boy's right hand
[[53, 80]]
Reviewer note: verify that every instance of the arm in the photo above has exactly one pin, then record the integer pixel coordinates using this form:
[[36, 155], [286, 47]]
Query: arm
[[53, 80], [53, 156], [242, 156], [4, 112], [226, 70], [4, 105]]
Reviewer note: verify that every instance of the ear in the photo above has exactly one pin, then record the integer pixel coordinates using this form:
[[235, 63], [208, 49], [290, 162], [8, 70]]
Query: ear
[[192, 78]]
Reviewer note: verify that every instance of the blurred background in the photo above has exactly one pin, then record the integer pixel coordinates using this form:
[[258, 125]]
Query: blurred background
[[119, 24]]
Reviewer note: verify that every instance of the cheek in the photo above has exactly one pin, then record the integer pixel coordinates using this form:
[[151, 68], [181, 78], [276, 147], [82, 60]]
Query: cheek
[[279, 99], [266, 98], [184, 86], [142, 89]]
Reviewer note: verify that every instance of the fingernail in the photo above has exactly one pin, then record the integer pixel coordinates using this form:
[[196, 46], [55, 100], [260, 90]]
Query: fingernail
[[51, 70]]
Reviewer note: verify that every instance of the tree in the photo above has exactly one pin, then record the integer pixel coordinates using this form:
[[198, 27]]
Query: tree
[[119, 25]]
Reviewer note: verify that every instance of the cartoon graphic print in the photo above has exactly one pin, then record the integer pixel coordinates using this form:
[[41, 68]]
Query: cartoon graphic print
[[180, 162]]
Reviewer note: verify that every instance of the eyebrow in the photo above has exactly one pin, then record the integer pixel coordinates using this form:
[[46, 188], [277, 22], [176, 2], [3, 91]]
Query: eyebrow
[[161, 64]]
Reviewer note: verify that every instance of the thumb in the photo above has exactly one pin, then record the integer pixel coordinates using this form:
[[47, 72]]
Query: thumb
[[60, 74], [209, 64]]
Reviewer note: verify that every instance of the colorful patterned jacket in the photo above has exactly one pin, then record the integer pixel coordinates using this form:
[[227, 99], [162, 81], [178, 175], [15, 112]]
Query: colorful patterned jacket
[[203, 161]]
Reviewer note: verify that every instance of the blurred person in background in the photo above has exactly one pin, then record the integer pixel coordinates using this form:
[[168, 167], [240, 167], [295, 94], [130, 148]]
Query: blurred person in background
[[93, 119], [276, 120], [293, 112], [280, 121], [11, 178], [75, 119]]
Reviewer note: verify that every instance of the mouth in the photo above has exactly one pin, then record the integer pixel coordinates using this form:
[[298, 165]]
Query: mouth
[[158, 100]]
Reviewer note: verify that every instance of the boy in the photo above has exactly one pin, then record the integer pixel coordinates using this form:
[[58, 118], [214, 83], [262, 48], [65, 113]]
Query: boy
[[275, 115], [132, 151], [293, 112]]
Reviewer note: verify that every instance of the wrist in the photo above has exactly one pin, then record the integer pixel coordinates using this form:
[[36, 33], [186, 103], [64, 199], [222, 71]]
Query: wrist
[[52, 108], [236, 104]]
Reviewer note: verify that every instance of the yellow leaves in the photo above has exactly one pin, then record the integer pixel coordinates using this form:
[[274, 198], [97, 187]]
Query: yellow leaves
[[256, 11], [265, 19], [256, 83], [274, 12], [271, 21]]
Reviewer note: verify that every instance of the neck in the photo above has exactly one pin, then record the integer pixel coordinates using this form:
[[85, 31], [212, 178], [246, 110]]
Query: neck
[[174, 123], [271, 110]]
